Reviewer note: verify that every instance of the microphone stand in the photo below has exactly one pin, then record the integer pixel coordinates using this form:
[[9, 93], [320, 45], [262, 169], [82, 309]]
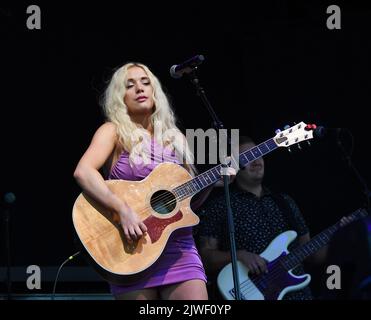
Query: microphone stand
[[366, 191], [219, 125], [6, 218], [7, 243]]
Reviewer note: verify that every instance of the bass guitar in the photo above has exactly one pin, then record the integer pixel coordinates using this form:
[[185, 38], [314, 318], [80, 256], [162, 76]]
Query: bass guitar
[[279, 280]]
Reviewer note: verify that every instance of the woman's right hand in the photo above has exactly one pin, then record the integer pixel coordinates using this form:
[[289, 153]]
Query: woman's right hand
[[130, 222]]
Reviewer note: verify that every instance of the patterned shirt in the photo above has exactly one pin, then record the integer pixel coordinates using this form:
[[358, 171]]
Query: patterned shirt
[[257, 222]]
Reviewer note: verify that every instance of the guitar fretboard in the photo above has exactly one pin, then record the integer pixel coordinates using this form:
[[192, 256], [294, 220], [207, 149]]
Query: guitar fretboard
[[296, 256], [212, 175]]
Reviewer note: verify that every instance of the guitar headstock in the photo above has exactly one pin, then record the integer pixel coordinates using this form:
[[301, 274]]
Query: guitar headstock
[[294, 135]]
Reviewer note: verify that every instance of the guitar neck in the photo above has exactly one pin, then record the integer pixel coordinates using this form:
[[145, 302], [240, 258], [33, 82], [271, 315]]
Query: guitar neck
[[213, 175], [296, 256]]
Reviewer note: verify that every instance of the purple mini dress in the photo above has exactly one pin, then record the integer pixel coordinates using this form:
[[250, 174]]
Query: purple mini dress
[[179, 260]]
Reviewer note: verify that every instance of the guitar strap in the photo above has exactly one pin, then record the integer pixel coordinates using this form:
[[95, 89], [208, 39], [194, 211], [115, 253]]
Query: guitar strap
[[285, 209]]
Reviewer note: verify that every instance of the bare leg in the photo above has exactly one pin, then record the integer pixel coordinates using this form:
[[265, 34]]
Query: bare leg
[[187, 290], [144, 294]]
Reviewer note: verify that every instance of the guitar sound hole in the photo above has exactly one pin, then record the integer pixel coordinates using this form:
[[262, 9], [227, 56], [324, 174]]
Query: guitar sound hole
[[163, 201]]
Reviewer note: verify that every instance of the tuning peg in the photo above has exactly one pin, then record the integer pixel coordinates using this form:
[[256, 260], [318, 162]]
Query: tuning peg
[[311, 127], [277, 131], [308, 142], [299, 146], [289, 149], [286, 127]]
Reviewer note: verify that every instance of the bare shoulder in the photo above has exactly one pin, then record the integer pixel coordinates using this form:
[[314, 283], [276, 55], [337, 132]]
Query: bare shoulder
[[108, 128], [106, 131], [101, 146]]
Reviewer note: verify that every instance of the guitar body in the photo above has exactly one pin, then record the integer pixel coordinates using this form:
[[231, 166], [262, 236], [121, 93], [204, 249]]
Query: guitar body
[[271, 286], [102, 236]]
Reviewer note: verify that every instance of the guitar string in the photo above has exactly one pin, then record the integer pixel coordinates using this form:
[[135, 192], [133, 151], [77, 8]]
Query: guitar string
[[171, 200], [266, 144], [182, 188], [249, 286]]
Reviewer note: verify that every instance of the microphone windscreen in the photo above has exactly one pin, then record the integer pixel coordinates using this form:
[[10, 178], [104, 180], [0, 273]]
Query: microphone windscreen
[[9, 197], [173, 72]]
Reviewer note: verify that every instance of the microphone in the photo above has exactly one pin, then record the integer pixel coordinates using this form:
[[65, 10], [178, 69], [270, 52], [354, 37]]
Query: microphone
[[321, 132], [59, 270], [177, 71], [9, 198]]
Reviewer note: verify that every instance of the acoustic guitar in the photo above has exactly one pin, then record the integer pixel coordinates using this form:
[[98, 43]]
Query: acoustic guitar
[[162, 201]]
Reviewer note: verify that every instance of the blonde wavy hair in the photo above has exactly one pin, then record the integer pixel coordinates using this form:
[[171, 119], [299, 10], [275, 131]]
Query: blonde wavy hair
[[131, 136]]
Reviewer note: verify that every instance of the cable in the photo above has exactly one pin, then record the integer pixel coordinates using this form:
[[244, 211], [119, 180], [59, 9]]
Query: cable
[[59, 270]]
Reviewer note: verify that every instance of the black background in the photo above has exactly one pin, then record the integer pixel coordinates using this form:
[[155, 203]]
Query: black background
[[266, 65]]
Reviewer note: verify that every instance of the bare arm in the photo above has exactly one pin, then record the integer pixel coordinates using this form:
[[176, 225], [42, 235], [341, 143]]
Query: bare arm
[[92, 182], [87, 174]]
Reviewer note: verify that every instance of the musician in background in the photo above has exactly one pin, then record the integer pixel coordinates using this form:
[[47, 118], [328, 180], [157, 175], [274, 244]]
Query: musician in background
[[134, 104], [259, 216]]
